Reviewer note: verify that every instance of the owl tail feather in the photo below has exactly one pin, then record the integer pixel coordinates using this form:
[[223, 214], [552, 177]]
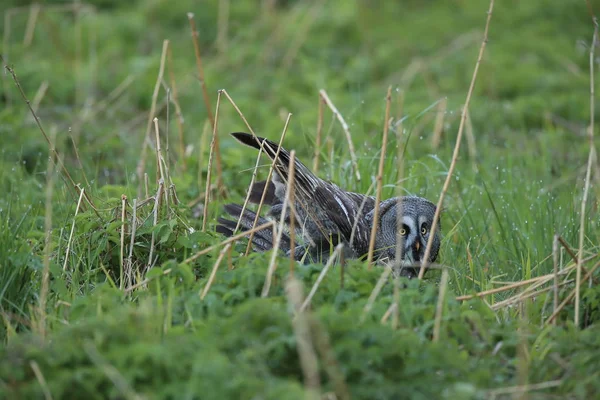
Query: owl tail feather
[[262, 240]]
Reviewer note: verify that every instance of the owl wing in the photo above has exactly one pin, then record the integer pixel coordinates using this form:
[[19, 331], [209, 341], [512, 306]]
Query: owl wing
[[323, 210]]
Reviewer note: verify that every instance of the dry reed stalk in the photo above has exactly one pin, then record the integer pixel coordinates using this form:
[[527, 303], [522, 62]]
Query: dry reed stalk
[[147, 280], [90, 112], [34, 12], [207, 103], [222, 26], [315, 165], [269, 175], [386, 126], [39, 95], [330, 363], [155, 212], [521, 296], [277, 241], [570, 296], [213, 273], [237, 109], [461, 127], [79, 163], [396, 311], [513, 285], [440, 306], [229, 240], [41, 323], [345, 128], [586, 188], [332, 258], [388, 312], [382, 280], [471, 147], [179, 120], [160, 170], [247, 198], [51, 146], [141, 166], [301, 34], [306, 352], [555, 262], [521, 389], [122, 253], [112, 373], [146, 184], [129, 269], [72, 229], [201, 145], [438, 128], [41, 380], [213, 145]]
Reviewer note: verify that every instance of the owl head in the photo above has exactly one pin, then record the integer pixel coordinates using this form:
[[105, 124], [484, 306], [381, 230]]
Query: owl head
[[406, 220]]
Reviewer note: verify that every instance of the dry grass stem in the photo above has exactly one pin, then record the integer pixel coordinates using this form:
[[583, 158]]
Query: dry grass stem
[[40, 378], [332, 258], [122, 253], [213, 145], [330, 363], [129, 265], [591, 157], [306, 352], [523, 388], [386, 126], [213, 273], [34, 12], [159, 157], [201, 145], [515, 285], [81, 190], [388, 312], [526, 295], [179, 120], [345, 128], [39, 95], [555, 264], [147, 280], [301, 34], [438, 128], [141, 166], [47, 246], [440, 305], [382, 280], [269, 175], [471, 147], [155, 213], [461, 127], [207, 103], [229, 240], [119, 381], [222, 26], [570, 296], [277, 241], [51, 146], [315, 165], [237, 109]]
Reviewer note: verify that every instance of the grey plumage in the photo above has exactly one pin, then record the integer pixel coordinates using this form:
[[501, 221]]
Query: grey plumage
[[326, 215]]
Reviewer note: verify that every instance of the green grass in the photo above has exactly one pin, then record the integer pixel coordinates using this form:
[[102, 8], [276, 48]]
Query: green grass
[[529, 114]]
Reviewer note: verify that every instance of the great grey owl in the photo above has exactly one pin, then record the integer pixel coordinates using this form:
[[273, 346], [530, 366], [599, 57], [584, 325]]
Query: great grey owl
[[326, 215]]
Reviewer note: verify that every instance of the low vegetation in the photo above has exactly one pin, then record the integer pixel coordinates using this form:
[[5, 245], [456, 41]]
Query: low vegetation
[[114, 284]]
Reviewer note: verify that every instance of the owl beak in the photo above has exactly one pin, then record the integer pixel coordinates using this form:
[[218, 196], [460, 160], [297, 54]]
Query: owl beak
[[417, 245]]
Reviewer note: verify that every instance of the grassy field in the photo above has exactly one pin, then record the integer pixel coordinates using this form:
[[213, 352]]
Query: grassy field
[[103, 291]]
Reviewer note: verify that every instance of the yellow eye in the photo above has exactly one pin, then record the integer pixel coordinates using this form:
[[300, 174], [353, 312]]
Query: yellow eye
[[423, 230], [402, 231]]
